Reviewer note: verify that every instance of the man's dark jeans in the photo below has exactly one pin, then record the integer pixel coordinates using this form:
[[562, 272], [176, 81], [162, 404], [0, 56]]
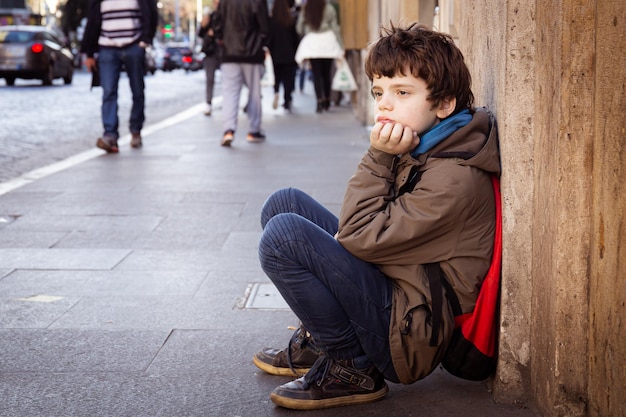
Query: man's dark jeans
[[110, 62], [344, 302]]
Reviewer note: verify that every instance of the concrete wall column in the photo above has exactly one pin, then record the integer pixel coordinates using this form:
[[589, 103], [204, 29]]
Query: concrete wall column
[[562, 209], [554, 72], [607, 358]]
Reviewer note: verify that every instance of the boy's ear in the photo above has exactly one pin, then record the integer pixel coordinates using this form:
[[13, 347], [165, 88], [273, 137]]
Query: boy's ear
[[446, 107]]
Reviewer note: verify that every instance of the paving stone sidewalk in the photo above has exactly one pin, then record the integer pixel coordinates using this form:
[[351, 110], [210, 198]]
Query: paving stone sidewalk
[[130, 283]]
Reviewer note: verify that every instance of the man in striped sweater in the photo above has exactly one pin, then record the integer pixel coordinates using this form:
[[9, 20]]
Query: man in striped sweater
[[118, 31]]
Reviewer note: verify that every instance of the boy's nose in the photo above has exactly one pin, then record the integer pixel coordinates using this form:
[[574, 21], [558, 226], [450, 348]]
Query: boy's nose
[[384, 103]]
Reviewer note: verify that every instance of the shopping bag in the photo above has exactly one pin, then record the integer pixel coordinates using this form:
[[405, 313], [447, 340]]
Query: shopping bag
[[268, 75], [343, 80]]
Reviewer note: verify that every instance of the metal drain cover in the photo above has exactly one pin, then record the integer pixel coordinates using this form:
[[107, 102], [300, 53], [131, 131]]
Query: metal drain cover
[[265, 296]]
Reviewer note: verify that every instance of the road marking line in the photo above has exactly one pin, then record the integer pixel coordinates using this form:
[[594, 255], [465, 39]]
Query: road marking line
[[39, 173]]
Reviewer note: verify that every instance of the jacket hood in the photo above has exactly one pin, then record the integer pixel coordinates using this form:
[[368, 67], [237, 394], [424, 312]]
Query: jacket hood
[[475, 144]]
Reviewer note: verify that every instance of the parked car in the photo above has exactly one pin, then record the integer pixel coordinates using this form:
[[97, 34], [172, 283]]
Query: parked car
[[197, 58], [180, 56], [34, 52]]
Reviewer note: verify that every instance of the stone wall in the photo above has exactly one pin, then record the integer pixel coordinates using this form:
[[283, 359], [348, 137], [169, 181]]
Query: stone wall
[[554, 72]]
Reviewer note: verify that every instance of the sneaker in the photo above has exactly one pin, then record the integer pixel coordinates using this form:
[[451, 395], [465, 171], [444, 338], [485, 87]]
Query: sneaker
[[135, 141], [228, 137], [256, 137], [331, 383], [275, 102], [295, 360], [207, 110], [108, 144]]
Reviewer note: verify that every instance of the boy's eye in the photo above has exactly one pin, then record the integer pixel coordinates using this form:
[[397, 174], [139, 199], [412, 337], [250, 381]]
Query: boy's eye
[[376, 94], [402, 92]]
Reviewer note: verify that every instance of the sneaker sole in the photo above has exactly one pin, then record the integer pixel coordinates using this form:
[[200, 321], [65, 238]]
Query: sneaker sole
[[252, 139], [273, 370], [299, 404], [227, 141]]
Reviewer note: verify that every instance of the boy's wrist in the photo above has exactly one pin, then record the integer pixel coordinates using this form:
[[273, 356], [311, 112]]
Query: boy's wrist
[[383, 158]]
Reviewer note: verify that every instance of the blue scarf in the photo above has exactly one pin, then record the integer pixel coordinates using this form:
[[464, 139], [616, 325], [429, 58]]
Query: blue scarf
[[441, 131]]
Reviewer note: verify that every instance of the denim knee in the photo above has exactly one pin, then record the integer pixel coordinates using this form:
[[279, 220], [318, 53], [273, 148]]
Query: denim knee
[[277, 231], [275, 204]]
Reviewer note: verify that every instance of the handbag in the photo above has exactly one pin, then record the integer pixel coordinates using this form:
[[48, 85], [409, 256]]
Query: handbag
[[209, 45], [343, 80]]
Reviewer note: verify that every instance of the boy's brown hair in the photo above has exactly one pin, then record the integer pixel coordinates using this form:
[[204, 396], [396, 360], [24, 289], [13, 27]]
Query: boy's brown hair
[[426, 54]]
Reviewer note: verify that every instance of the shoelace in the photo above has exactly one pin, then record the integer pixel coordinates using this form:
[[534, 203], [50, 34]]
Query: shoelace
[[318, 372], [300, 337], [294, 338]]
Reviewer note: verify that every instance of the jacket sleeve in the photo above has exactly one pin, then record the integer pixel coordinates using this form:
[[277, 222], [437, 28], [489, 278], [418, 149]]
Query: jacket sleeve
[[415, 228], [333, 22], [264, 23], [89, 43], [217, 22], [149, 19], [300, 24]]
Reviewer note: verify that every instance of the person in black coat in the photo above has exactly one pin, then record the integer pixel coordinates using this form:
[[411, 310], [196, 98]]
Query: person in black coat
[[212, 54], [283, 45]]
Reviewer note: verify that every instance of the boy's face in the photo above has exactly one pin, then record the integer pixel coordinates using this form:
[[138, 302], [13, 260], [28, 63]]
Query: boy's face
[[402, 99]]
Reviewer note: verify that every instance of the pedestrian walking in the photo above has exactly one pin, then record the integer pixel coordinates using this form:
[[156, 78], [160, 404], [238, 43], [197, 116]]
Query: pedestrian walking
[[118, 33], [321, 43], [422, 194], [212, 54], [243, 28], [283, 45]]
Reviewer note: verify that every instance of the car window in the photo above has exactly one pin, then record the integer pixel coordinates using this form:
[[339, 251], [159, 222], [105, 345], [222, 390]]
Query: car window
[[49, 37], [55, 39], [14, 36]]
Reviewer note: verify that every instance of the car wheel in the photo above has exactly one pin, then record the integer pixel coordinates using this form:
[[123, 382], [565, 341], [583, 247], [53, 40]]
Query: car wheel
[[10, 80], [68, 78], [48, 77]]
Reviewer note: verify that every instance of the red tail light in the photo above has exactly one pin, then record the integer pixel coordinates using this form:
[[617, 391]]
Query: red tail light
[[37, 48], [187, 59]]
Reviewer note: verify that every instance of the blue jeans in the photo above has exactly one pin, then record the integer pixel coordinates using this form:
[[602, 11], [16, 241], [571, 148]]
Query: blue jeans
[[110, 62], [344, 302]]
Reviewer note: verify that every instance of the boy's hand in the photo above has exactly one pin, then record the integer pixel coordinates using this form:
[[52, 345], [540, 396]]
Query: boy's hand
[[393, 138]]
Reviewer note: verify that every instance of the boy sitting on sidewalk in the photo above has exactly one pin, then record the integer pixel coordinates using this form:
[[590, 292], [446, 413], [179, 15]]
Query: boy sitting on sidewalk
[[421, 194]]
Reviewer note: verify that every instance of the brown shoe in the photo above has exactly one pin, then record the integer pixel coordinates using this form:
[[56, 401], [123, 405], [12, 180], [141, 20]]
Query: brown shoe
[[331, 383], [108, 144], [135, 141], [296, 360]]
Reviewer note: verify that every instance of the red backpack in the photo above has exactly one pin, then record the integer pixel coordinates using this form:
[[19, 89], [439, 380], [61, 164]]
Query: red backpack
[[472, 353]]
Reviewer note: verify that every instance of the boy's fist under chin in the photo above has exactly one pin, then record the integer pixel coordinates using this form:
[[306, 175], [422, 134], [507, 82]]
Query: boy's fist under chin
[[393, 138]]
